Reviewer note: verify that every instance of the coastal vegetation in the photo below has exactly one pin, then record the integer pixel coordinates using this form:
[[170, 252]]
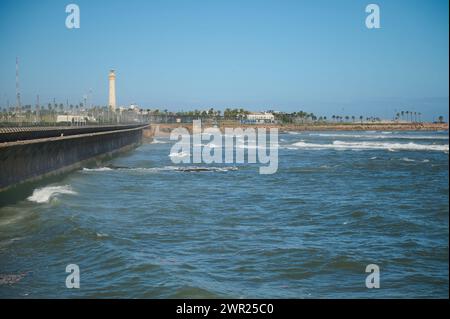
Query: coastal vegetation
[[48, 115]]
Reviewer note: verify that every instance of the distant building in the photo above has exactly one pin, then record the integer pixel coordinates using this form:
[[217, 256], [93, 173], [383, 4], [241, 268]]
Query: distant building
[[131, 108], [134, 108], [260, 117], [74, 119]]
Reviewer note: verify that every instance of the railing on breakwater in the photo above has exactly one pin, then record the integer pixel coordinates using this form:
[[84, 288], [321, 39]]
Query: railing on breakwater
[[12, 134]]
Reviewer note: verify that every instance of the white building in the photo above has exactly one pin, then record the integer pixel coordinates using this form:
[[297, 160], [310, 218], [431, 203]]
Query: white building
[[75, 119], [261, 117]]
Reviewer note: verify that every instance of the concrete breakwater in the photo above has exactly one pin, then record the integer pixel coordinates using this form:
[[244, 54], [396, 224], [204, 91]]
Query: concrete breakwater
[[33, 159], [13, 134]]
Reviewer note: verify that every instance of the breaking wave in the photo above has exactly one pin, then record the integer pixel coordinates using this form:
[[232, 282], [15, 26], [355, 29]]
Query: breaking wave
[[374, 145], [178, 154], [99, 169], [45, 194], [406, 159], [155, 141], [167, 168]]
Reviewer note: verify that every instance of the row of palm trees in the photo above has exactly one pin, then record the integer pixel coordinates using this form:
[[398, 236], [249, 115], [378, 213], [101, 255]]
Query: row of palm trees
[[354, 119], [409, 115], [229, 114]]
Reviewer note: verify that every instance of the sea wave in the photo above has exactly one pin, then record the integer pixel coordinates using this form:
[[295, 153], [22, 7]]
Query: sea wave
[[204, 168], [258, 147], [374, 145], [155, 141], [406, 159], [167, 168], [178, 154], [45, 194], [98, 169]]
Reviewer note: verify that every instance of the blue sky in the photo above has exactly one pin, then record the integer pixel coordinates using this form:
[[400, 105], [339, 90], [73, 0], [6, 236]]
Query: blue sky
[[315, 56]]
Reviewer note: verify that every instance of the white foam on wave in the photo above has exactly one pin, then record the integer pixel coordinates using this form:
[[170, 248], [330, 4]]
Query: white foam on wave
[[211, 145], [187, 169], [178, 154], [374, 145], [45, 194], [155, 141], [258, 147], [99, 169], [406, 159], [177, 168], [102, 235], [204, 168], [165, 168]]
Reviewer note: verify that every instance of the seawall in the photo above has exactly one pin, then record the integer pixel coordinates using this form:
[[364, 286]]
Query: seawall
[[31, 160], [13, 134]]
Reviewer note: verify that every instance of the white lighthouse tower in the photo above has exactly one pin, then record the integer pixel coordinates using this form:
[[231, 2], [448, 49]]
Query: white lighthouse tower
[[112, 91]]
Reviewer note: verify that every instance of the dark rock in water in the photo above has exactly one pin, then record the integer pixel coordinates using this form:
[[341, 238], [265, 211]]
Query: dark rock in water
[[11, 279], [198, 169]]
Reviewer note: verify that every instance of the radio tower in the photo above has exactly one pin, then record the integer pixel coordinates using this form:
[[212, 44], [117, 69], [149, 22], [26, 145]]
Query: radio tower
[[17, 84]]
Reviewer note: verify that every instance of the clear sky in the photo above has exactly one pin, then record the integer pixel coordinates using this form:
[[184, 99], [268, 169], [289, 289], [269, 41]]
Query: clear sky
[[311, 55]]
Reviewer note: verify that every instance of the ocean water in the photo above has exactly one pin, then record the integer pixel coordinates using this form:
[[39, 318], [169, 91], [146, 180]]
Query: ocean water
[[143, 227]]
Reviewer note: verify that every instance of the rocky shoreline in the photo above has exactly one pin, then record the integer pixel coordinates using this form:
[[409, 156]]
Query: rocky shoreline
[[163, 128]]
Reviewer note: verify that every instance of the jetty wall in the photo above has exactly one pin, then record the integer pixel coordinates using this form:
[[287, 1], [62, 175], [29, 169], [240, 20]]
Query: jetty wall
[[31, 160]]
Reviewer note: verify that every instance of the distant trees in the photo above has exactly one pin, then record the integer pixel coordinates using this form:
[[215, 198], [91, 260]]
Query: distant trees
[[233, 114], [47, 113], [409, 116]]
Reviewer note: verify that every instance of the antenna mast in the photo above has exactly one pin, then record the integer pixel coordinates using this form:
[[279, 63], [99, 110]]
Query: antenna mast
[[17, 84]]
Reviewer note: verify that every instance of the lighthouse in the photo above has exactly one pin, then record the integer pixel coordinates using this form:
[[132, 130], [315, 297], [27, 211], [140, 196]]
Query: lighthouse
[[112, 91]]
